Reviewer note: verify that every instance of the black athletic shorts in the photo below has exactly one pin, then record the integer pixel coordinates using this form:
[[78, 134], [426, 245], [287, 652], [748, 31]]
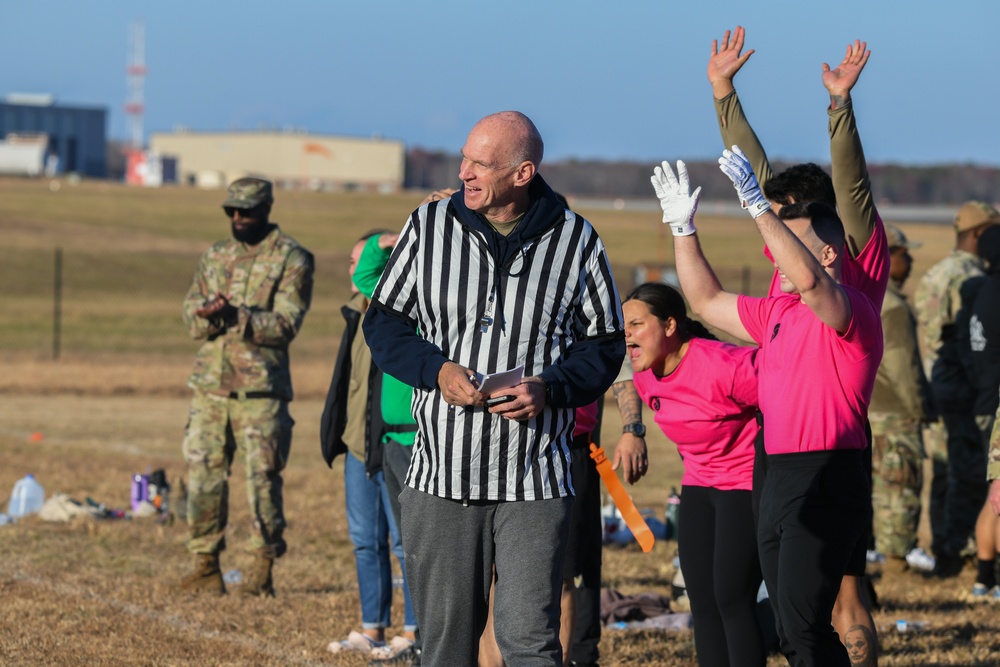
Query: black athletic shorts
[[583, 548]]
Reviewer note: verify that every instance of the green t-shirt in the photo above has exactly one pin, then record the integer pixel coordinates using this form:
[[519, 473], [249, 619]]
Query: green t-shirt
[[396, 396]]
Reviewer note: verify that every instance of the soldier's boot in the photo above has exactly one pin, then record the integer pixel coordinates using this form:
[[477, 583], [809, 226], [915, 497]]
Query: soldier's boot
[[206, 578], [258, 581]]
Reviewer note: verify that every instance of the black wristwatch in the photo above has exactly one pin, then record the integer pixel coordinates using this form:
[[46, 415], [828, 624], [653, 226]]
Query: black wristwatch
[[548, 392], [638, 430]]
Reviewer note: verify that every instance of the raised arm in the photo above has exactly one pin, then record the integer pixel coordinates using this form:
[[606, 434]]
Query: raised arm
[[807, 272], [727, 59], [698, 282], [372, 261], [851, 182]]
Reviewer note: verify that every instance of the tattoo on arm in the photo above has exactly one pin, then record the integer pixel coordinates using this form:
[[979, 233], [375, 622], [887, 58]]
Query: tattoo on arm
[[862, 647], [837, 101], [629, 403]]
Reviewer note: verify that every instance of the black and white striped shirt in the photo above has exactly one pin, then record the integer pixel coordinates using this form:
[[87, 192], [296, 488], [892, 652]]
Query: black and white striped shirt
[[555, 290]]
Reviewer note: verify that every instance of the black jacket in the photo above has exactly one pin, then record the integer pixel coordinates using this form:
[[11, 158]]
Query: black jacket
[[334, 419]]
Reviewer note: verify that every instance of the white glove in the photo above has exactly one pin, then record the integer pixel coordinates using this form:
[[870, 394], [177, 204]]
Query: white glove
[[736, 166], [676, 199]]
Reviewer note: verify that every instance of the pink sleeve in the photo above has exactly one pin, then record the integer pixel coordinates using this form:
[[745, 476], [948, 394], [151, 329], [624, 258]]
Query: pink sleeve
[[866, 322], [744, 390], [869, 271], [753, 315]]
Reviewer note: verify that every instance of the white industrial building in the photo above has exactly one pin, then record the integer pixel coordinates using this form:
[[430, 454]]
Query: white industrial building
[[289, 159]]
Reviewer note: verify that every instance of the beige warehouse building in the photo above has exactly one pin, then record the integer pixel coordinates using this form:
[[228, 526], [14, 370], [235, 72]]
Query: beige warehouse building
[[290, 159]]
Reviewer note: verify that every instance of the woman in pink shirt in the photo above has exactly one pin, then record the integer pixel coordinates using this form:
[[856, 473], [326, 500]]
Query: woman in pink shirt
[[704, 395]]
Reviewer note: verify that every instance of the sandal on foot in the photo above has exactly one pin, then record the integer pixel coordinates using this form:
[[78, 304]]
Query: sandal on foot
[[356, 641], [397, 645]]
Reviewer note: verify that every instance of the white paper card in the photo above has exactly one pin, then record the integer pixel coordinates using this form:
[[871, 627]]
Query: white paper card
[[489, 384]]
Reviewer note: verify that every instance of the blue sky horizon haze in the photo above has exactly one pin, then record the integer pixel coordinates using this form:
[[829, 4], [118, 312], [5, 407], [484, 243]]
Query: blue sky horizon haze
[[602, 80]]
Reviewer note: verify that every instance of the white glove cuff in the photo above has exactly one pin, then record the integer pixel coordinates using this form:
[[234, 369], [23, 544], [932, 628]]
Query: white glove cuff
[[758, 208], [683, 228]]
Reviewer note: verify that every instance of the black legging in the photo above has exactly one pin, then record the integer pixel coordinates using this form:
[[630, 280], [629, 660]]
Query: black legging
[[813, 511], [718, 552]]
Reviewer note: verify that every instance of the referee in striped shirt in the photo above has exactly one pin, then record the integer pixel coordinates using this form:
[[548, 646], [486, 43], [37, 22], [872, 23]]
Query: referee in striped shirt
[[498, 276]]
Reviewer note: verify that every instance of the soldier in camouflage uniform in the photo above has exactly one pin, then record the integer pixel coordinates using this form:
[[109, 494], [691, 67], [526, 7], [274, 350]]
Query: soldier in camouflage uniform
[[247, 302], [956, 503], [899, 405], [993, 465]]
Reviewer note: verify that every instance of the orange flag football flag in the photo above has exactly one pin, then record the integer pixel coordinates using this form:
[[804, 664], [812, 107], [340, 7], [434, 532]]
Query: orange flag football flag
[[643, 535]]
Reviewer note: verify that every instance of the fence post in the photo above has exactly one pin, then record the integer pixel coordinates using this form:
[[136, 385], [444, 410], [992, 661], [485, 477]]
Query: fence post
[[57, 305], [746, 280]]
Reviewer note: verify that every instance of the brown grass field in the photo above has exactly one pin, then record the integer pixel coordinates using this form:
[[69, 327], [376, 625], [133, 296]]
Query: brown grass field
[[102, 592]]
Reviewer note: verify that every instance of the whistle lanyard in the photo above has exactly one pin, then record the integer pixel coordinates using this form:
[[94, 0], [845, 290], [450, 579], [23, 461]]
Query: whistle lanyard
[[487, 320]]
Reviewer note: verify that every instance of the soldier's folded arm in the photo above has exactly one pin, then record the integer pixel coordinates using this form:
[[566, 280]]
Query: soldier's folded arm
[[280, 325], [199, 328]]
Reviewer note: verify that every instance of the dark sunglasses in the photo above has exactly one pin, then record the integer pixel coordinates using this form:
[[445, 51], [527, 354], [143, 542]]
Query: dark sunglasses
[[244, 212]]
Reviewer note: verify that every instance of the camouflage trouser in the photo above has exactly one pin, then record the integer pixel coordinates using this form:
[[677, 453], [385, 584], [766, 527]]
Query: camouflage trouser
[[217, 426], [897, 477], [966, 491], [993, 453], [936, 446]]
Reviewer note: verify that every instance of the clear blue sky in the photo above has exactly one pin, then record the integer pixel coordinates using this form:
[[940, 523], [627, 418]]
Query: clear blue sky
[[609, 79]]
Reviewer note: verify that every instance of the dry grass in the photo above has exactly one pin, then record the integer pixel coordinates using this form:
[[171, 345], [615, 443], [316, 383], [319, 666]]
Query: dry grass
[[101, 593]]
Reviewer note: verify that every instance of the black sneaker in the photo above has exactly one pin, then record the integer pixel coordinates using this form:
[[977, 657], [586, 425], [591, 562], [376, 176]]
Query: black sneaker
[[947, 566], [408, 657]]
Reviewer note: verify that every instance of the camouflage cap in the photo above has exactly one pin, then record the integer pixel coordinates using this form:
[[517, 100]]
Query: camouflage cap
[[248, 192], [897, 239], [974, 214]]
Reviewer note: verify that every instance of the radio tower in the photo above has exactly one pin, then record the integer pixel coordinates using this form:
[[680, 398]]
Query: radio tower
[[136, 71], [135, 160]]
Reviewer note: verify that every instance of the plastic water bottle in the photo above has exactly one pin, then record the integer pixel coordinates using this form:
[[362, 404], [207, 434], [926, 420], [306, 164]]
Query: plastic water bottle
[[140, 490], [673, 512], [27, 497], [902, 625]]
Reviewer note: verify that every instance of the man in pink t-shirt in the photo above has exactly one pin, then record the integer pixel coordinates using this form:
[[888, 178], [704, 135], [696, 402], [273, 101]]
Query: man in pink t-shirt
[[820, 347]]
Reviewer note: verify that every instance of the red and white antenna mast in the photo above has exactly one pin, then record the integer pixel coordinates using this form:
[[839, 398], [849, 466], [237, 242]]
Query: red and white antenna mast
[[136, 71]]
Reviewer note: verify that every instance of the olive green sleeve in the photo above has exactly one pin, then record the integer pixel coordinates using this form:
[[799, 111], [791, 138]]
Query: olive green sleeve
[[736, 131], [278, 326], [850, 178], [200, 328]]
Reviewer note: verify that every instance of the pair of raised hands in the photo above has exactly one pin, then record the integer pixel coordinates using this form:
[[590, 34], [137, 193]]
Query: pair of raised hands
[[679, 203]]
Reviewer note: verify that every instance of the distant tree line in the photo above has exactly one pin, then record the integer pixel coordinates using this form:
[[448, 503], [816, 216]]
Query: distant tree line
[[896, 184]]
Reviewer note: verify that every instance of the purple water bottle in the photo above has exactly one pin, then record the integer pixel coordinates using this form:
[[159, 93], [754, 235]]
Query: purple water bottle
[[140, 490]]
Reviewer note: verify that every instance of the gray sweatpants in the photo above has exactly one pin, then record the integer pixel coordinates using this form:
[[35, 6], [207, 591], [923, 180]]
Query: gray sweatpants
[[451, 550]]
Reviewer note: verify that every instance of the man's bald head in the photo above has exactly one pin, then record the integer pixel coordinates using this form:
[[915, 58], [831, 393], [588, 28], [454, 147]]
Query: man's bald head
[[518, 133], [499, 161]]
